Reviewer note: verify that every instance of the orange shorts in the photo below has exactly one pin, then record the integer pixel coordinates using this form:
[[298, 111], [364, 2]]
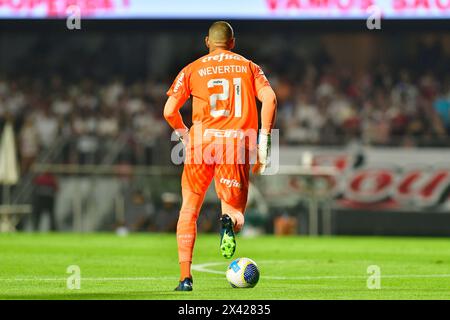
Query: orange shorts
[[229, 168]]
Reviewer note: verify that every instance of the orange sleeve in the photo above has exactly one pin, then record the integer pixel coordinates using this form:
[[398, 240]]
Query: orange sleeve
[[178, 93], [172, 113], [260, 80], [269, 108], [180, 88]]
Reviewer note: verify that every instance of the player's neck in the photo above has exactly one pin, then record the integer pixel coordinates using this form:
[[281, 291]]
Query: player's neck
[[211, 50]]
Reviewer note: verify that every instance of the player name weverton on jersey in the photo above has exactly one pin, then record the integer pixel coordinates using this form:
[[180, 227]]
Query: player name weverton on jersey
[[222, 69]]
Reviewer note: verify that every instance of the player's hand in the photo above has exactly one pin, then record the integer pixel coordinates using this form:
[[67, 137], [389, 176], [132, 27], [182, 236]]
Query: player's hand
[[263, 153]]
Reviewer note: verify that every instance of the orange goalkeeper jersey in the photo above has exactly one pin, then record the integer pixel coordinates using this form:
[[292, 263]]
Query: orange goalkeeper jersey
[[223, 86]]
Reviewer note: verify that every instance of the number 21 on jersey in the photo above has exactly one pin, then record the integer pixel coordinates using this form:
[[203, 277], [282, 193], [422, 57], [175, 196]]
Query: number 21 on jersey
[[225, 95]]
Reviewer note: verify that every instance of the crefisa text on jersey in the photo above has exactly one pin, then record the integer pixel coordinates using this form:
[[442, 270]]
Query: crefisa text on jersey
[[190, 310]]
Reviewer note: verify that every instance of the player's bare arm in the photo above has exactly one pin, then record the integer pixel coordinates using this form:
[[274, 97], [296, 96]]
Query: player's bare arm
[[173, 117]]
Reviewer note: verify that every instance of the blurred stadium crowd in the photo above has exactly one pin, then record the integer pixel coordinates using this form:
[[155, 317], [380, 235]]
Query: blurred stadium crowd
[[320, 103], [97, 98]]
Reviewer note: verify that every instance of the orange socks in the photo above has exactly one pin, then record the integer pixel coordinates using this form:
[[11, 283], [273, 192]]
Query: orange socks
[[186, 234], [187, 230], [185, 270]]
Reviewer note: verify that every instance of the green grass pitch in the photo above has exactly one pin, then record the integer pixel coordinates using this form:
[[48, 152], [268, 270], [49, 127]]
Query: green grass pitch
[[144, 266]]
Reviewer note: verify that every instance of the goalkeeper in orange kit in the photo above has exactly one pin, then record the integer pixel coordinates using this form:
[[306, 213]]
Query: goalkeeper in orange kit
[[223, 86]]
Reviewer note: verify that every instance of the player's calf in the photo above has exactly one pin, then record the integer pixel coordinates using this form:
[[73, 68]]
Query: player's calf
[[236, 215]]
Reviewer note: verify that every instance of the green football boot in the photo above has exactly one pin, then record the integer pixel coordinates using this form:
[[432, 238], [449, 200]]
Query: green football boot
[[227, 237]]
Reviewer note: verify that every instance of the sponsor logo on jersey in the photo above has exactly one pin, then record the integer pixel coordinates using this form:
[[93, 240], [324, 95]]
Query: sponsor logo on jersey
[[229, 133], [221, 57], [179, 82]]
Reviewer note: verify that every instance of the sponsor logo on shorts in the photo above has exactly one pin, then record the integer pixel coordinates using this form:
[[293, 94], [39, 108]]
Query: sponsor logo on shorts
[[230, 183]]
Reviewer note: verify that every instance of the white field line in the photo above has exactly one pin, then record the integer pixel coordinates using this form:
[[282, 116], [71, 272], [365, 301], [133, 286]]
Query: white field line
[[126, 279], [94, 279], [205, 268]]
